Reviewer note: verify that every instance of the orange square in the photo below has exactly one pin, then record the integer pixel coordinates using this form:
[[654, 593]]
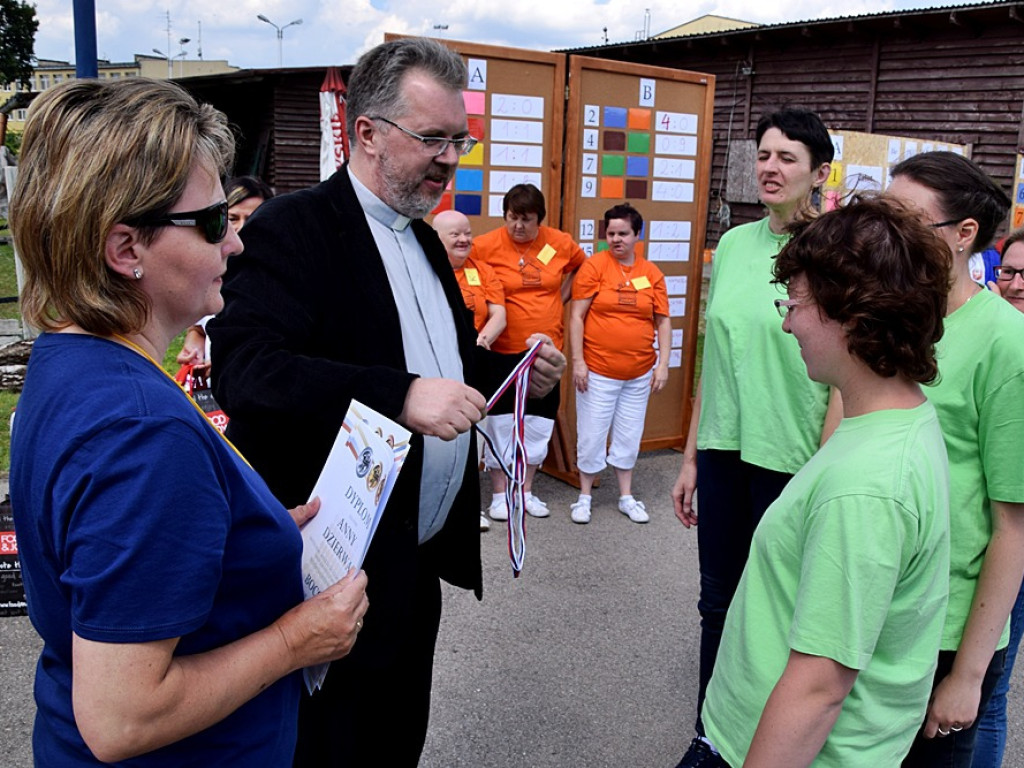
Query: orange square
[[639, 119], [445, 204], [1018, 216], [613, 187], [638, 248]]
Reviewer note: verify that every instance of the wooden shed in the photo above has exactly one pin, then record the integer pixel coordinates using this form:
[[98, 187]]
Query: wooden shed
[[276, 117], [953, 74]]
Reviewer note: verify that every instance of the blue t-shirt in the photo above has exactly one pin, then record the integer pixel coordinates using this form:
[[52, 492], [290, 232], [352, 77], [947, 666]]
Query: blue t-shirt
[[137, 522]]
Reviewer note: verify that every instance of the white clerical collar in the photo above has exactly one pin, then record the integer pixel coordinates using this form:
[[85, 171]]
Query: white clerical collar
[[377, 208]]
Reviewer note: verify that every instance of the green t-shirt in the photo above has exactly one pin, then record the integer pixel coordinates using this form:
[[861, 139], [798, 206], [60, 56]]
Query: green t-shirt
[[850, 563], [757, 398], [980, 401]]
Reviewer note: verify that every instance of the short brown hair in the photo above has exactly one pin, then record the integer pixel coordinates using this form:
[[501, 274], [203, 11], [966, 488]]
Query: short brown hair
[[874, 267], [95, 154], [1014, 237], [524, 199]]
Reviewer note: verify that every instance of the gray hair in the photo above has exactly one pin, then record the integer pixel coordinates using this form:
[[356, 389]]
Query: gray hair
[[374, 86]]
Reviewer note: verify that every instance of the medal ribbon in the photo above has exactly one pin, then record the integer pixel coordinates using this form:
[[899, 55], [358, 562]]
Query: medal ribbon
[[132, 345], [514, 466]]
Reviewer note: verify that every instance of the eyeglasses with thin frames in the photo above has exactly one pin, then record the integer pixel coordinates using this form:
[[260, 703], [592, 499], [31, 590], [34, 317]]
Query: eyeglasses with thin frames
[[213, 221], [1005, 274], [435, 145], [942, 224], [785, 306]]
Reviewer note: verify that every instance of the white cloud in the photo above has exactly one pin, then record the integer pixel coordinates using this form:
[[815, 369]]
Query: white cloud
[[333, 32]]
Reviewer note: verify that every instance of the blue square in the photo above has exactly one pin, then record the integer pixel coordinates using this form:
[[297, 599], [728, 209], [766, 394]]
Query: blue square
[[615, 117], [468, 204], [469, 180], [638, 166]]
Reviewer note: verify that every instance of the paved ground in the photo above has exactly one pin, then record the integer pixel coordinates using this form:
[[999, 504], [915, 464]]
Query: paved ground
[[588, 659]]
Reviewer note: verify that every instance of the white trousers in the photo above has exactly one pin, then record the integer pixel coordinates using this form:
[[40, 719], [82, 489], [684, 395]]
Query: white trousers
[[538, 435], [610, 404]]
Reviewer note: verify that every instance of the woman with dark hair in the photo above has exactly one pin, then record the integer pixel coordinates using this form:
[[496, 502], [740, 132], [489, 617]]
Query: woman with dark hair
[[535, 265], [756, 417], [991, 741], [829, 647], [244, 195], [173, 624], [619, 304], [979, 396]]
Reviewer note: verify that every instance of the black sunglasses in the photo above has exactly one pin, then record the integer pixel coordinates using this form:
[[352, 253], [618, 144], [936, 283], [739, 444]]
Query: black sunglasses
[[213, 221]]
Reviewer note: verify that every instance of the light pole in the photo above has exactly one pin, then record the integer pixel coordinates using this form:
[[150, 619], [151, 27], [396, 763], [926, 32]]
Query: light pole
[[280, 36], [167, 56], [182, 54]]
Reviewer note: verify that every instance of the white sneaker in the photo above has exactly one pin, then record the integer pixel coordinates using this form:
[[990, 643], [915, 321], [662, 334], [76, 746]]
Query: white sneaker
[[498, 510], [485, 524], [580, 511], [535, 507], [633, 509]]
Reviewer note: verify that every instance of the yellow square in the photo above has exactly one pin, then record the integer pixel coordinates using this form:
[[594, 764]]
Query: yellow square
[[641, 282], [547, 253]]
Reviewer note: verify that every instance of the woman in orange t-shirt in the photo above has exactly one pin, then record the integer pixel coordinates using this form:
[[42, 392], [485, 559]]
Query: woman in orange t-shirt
[[619, 303], [535, 265], [481, 289]]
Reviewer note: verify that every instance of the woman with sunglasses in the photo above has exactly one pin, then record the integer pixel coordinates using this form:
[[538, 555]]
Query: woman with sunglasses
[[173, 624], [980, 400]]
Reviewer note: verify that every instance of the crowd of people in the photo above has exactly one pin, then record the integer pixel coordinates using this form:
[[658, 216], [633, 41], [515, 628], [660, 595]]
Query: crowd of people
[[852, 463]]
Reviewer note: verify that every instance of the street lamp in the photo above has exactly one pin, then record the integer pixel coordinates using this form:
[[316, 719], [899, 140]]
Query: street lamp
[[158, 52], [280, 36], [182, 54]]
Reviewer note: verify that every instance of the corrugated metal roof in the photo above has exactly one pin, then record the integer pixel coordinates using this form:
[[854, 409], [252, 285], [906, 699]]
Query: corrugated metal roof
[[907, 13]]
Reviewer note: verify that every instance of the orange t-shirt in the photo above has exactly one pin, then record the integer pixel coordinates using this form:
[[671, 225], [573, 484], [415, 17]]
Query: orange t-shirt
[[480, 287], [618, 332], [532, 278]]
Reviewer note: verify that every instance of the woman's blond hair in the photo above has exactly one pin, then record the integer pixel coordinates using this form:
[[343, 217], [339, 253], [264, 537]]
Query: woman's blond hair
[[95, 154]]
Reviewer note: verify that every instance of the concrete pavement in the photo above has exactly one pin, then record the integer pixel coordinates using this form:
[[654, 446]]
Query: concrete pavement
[[588, 659]]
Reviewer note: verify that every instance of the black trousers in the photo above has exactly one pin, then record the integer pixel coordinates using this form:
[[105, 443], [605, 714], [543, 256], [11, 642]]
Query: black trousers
[[376, 715], [732, 497]]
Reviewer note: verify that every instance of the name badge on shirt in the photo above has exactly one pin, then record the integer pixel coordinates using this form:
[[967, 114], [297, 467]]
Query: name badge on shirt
[[472, 276], [547, 253], [641, 282]]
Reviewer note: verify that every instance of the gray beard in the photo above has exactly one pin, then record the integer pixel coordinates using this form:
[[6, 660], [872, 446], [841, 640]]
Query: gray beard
[[404, 196]]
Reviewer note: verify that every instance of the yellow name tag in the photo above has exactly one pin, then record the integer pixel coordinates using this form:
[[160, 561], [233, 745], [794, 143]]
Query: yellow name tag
[[547, 253], [641, 282], [472, 276]]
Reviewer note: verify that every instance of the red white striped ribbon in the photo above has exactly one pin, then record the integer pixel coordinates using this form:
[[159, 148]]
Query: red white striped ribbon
[[513, 459]]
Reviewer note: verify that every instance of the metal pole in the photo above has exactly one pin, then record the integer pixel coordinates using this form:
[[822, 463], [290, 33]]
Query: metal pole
[[86, 65]]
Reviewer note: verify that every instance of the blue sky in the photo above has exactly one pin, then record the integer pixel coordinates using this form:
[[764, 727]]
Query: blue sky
[[335, 32]]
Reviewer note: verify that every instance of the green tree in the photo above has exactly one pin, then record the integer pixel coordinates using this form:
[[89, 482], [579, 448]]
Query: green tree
[[18, 25], [13, 141]]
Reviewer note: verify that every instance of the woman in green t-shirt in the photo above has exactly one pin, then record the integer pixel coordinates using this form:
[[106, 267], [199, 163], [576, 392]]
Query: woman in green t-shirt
[[829, 647], [980, 400], [757, 418]]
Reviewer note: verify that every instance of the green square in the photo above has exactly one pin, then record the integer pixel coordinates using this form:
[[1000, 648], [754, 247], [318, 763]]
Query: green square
[[613, 165], [602, 245], [639, 142]]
